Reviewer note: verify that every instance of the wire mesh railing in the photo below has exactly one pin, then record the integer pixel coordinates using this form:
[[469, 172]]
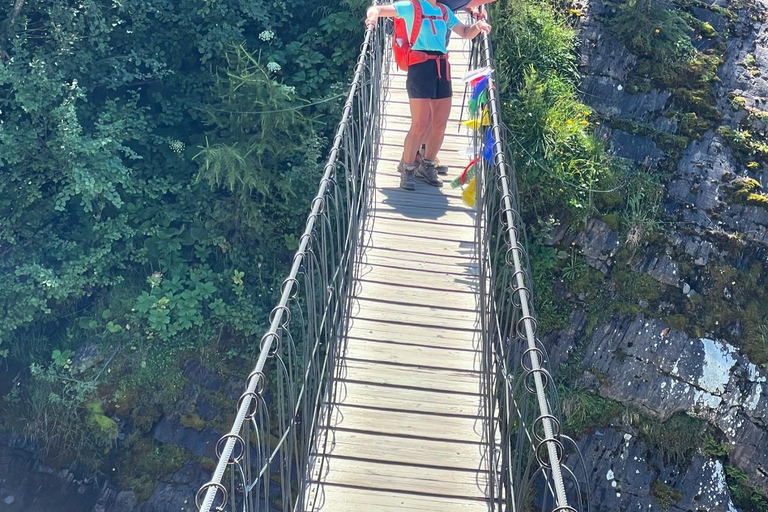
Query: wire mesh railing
[[524, 429], [264, 459]]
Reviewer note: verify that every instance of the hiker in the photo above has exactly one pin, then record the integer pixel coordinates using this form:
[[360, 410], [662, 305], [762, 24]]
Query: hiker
[[425, 55], [454, 5]]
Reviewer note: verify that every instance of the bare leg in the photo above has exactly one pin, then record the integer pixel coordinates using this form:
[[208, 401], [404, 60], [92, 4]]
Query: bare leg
[[428, 132], [420, 111], [441, 110]]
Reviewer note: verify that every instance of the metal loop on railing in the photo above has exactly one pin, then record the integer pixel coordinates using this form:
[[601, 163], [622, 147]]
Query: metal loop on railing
[[321, 201], [540, 420], [286, 315], [517, 299], [522, 329], [262, 381], [529, 352], [544, 460], [218, 487], [238, 441], [294, 283], [275, 347], [545, 379], [255, 399]]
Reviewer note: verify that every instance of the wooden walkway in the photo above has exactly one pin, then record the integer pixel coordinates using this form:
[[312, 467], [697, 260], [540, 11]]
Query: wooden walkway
[[406, 430]]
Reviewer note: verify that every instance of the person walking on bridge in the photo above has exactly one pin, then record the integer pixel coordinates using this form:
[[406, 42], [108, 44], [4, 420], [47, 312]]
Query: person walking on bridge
[[468, 6], [429, 79]]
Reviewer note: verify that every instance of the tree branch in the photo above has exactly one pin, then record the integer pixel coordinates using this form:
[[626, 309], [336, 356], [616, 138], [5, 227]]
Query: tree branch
[[17, 6]]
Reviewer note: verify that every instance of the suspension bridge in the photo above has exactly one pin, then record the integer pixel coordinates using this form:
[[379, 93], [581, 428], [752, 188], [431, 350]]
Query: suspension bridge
[[401, 370]]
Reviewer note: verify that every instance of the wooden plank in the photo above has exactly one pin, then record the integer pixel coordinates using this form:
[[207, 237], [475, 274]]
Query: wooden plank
[[406, 451], [441, 281], [383, 477], [407, 400], [414, 335], [452, 216], [332, 498], [437, 204], [407, 296], [465, 430], [444, 381], [400, 354], [389, 257], [424, 229], [449, 218], [423, 246], [389, 179], [387, 182], [429, 316]]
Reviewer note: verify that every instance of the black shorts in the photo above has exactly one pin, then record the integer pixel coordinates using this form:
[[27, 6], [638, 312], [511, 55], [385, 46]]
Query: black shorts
[[423, 82]]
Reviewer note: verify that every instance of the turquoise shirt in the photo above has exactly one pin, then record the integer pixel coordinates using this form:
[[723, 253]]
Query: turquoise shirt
[[428, 41]]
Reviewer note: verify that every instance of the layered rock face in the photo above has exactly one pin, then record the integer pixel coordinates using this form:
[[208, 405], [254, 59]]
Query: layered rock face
[[688, 349]]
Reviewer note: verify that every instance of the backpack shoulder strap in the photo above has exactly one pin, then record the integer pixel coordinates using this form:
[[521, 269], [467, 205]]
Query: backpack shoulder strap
[[418, 20], [445, 12]]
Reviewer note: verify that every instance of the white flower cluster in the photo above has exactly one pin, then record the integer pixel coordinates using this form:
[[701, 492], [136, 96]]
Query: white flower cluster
[[273, 67], [176, 146], [289, 89], [267, 35]]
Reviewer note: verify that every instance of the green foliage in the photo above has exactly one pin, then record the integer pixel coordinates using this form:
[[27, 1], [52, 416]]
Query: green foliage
[[146, 462], [665, 495], [744, 497], [714, 448], [661, 37], [585, 410], [643, 207], [112, 231], [748, 191], [59, 413], [745, 146], [652, 30], [677, 438], [561, 159]]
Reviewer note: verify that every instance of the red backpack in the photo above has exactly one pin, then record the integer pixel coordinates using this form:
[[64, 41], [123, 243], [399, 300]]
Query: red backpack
[[402, 42]]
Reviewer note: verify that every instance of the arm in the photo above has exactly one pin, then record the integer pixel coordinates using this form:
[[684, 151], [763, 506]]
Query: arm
[[478, 14], [380, 11], [471, 31], [478, 3]]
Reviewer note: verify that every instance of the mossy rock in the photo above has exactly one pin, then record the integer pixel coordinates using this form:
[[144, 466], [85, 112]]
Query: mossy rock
[[665, 495], [193, 421], [145, 462], [106, 426], [748, 191]]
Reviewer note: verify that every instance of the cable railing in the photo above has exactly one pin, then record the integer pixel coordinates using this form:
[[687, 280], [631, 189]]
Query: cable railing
[[264, 459], [523, 425]]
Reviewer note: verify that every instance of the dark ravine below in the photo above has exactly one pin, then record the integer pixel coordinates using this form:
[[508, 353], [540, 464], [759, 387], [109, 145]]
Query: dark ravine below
[[640, 360]]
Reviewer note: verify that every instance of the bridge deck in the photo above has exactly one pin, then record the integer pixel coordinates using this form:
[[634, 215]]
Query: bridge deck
[[406, 430]]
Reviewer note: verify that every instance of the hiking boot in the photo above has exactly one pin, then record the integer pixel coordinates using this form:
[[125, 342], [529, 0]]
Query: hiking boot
[[407, 181], [440, 168], [427, 172]]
